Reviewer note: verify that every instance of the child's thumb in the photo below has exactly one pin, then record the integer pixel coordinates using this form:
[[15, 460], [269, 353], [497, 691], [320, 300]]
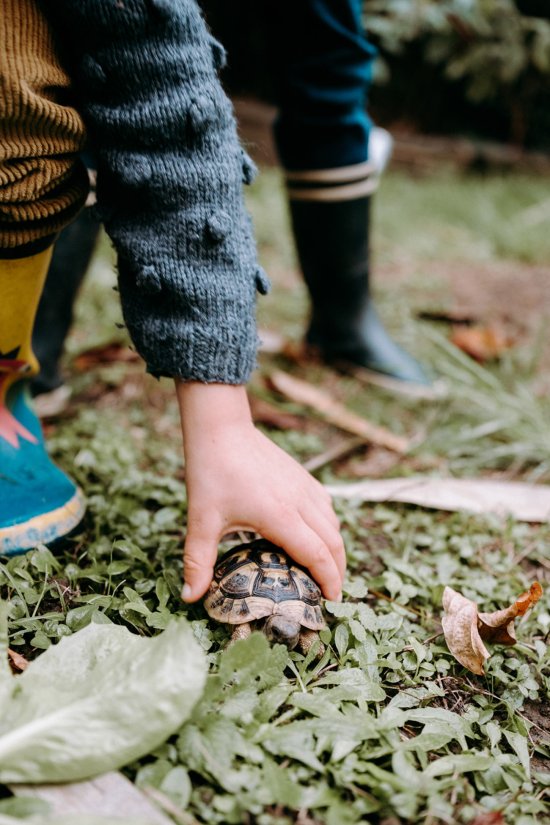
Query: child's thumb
[[199, 555]]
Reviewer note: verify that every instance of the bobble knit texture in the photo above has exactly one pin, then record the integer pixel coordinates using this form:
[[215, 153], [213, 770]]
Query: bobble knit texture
[[170, 176]]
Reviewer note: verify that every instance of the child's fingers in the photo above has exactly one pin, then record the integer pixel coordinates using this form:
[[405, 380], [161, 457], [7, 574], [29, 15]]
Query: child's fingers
[[306, 547], [320, 522], [199, 556]]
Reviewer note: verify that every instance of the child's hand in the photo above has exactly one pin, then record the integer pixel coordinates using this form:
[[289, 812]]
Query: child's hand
[[237, 479]]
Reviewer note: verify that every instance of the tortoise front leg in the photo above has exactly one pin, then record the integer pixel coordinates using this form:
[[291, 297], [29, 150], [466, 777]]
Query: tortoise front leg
[[307, 640], [241, 631]]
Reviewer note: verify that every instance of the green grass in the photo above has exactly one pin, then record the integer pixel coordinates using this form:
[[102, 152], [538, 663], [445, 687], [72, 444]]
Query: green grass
[[443, 217], [388, 726], [470, 218]]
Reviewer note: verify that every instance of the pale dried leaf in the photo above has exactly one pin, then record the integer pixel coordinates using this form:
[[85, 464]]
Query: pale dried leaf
[[271, 342], [460, 628], [525, 502], [335, 413], [465, 628]]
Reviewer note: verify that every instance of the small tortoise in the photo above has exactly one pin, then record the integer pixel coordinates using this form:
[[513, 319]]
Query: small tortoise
[[258, 581]]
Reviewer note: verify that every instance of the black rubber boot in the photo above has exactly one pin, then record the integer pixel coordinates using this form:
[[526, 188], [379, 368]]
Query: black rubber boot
[[332, 238], [71, 258]]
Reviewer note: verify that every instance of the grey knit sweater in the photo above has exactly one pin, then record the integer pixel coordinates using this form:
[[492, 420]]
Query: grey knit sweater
[[170, 174]]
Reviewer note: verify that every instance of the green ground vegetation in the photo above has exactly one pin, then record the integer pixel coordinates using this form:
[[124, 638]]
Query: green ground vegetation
[[387, 726]]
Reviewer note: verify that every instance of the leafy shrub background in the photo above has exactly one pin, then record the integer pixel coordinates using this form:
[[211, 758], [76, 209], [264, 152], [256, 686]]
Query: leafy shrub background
[[483, 62]]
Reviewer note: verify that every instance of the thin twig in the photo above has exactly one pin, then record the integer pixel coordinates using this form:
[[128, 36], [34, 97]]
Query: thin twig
[[164, 802], [454, 792], [343, 448], [327, 668], [404, 606], [331, 410], [521, 556], [439, 680], [427, 641]]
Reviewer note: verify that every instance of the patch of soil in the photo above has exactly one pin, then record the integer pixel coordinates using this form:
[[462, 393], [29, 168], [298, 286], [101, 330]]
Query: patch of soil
[[539, 714], [515, 296], [536, 570], [457, 699], [375, 462]]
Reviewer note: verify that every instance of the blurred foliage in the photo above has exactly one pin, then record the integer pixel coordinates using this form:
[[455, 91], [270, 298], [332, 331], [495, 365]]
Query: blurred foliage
[[498, 49]]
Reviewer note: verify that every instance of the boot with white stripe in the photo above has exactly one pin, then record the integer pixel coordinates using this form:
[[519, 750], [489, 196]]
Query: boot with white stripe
[[330, 218]]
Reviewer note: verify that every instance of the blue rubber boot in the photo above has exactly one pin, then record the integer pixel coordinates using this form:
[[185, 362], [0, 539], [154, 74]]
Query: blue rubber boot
[[38, 502]]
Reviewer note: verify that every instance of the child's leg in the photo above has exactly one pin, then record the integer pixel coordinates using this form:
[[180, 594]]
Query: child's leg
[[42, 186], [71, 258], [322, 62], [38, 503]]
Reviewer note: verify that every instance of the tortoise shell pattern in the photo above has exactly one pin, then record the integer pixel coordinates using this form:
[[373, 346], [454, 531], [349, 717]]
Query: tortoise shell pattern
[[255, 580]]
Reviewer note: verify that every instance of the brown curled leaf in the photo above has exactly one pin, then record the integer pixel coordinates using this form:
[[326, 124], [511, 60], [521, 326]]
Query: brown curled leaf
[[498, 627], [111, 353], [466, 629], [17, 661], [484, 343], [490, 818]]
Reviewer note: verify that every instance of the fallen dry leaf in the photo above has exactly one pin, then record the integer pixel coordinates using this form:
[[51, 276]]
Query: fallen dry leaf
[[17, 660], [53, 403], [335, 413], [265, 413], [460, 627], [465, 628], [446, 317], [498, 627], [526, 502], [271, 342], [107, 354], [484, 343], [490, 818]]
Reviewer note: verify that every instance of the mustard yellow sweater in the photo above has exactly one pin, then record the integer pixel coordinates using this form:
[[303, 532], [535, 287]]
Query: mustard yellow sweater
[[42, 183]]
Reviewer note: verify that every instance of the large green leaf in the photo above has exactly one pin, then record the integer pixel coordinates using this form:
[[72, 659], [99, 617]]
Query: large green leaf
[[98, 700]]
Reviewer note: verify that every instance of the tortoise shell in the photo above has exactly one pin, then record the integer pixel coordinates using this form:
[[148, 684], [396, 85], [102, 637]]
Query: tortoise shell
[[255, 580]]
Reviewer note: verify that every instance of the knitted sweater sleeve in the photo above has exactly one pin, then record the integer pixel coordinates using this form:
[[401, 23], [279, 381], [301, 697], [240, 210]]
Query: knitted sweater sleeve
[[170, 175]]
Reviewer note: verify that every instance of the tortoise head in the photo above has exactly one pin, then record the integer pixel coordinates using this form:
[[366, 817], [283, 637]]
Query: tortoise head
[[281, 630]]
